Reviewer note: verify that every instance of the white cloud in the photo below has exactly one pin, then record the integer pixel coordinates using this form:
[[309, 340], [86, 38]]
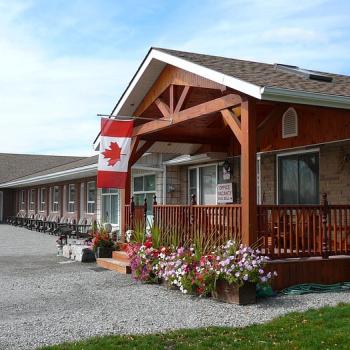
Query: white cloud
[[50, 105]]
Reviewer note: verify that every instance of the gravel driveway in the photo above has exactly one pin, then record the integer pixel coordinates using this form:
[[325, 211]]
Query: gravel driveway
[[45, 299]]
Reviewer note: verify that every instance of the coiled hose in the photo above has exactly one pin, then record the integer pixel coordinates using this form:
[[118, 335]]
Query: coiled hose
[[308, 288]]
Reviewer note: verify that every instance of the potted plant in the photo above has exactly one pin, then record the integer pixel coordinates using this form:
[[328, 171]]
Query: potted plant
[[102, 244], [238, 269]]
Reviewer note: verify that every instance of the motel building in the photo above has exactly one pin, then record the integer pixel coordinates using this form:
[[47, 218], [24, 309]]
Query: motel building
[[225, 148]]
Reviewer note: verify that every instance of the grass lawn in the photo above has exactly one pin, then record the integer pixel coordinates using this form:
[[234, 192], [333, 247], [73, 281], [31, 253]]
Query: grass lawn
[[326, 328]]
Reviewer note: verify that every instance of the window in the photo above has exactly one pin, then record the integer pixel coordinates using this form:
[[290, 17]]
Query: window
[[55, 197], [145, 187], [110, 206], [91, 196], [298, 178], [71, 198], [31, 199], [202, 183], [42, 199], [22, 203]]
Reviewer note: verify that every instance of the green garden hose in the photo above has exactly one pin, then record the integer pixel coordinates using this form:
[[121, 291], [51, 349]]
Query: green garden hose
[[308, 288]]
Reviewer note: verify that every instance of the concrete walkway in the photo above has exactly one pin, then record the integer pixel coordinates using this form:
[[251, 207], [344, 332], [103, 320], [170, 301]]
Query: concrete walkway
[[45, 299]]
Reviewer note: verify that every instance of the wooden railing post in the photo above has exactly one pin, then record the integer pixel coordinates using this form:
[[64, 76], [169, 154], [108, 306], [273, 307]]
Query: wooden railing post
[[132, 213], [193, 199], [154, 210], [325, 210], [145, 213]]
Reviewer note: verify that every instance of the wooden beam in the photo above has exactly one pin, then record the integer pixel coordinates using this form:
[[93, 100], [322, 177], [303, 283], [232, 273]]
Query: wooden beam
[[192, 135], [176, 76], [183, 96], [190, 113], [248, 172], [233, 122], [171, 98], [163, 107], [141, 151]]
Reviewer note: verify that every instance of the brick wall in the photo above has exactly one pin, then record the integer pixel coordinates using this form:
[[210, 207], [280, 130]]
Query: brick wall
[[80, 203], [334, 174], [268, 178]]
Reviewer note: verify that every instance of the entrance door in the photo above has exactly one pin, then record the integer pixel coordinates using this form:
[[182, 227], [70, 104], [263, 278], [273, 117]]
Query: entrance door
[[202, 183]]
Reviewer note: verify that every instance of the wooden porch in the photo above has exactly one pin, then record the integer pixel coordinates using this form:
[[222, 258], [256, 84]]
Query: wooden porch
[[305, 243], [283, 231], [182, 107]]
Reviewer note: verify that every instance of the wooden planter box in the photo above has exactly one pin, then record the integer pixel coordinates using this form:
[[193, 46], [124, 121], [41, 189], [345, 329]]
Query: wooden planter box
[[230, 293], [103, 252]]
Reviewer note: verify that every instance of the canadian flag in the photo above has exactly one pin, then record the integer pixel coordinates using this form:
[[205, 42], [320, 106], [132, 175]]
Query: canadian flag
[[114, 153]]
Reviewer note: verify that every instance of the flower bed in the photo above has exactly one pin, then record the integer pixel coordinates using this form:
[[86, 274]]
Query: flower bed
[[195, 273]]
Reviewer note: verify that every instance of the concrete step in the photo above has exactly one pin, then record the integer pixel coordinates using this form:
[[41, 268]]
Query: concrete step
[[114, 265], [120, 256]]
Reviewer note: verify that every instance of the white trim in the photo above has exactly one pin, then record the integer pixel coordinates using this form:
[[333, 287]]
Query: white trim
[[53, 202], [110, 195], [237, 84], [259, 92], [69, 201], [147, 168], [258, 179], [87, 198], [304, 147], [51, 176], [198, 195], [303, 97], [40, 199], [291, 153], [75, 171], [143, 175]]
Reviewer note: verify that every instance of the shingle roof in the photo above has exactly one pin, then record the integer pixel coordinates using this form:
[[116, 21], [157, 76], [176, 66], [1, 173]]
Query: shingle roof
[[72, 165], [13, 166], [266, 75]]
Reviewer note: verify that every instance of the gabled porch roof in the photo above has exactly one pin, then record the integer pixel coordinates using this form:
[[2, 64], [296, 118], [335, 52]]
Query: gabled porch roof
[[260, 80]]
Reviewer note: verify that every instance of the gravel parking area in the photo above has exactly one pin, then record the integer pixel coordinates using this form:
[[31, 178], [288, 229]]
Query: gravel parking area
[[45, 299]]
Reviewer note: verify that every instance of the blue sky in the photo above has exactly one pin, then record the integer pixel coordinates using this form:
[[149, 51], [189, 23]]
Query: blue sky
[[62, 62]]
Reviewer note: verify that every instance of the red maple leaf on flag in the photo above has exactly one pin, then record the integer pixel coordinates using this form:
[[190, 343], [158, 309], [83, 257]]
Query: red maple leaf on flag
[[113, 153]]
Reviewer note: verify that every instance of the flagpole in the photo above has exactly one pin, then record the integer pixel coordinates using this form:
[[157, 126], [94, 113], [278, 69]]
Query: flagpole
[[133, 118]]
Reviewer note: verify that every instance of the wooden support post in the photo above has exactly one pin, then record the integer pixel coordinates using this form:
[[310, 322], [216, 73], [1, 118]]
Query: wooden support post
[[325, 211], [248, 172], [132, 214]]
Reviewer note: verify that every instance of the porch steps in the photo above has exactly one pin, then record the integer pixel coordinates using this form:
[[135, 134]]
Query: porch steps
[[114, 265], [120, 256]]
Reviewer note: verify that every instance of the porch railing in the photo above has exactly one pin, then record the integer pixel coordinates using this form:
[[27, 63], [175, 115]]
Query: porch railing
[[287, 231], [212, 224], [283, 231]]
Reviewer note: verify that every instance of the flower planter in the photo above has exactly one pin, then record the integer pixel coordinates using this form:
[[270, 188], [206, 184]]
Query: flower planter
[[233, 294], [103, 252]]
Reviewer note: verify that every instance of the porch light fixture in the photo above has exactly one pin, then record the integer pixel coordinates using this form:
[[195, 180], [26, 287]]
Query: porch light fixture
[[227, 166]]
